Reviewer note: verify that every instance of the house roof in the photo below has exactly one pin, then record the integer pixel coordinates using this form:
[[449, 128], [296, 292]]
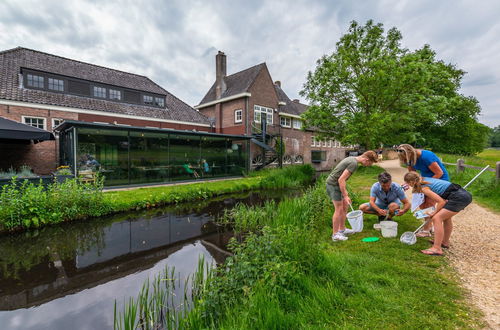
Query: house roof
[[236, 83], [13, 60], [291, 107]]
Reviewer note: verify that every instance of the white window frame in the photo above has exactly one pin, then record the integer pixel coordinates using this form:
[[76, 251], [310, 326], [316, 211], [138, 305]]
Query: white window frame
[[285, 119], [313, 141], [238, 113], [258, 109], [324, 143], [297, 123], [53, 122], [34, 117]]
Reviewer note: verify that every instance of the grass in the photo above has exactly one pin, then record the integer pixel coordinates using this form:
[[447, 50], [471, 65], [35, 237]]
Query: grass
[[26, 205], [288, 274], [488, 156]]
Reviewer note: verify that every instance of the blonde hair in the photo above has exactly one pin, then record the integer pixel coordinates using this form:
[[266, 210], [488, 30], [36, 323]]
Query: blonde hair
[[407, 155], [416, 179]]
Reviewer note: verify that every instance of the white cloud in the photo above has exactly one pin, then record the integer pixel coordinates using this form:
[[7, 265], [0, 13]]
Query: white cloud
[[174, 42]]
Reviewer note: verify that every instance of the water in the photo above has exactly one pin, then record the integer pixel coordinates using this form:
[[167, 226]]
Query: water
[[69, 276]]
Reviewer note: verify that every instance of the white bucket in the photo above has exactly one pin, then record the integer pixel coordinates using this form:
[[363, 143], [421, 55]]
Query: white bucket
[[389, 228], [356, 220]]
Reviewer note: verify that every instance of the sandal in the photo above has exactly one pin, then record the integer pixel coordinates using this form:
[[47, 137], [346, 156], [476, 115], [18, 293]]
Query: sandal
[[442, 245], [429, 252], [424, 233]]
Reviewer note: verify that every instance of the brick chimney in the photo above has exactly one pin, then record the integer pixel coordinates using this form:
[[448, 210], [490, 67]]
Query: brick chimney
[[278, 83], [220, 74], [296, 100]]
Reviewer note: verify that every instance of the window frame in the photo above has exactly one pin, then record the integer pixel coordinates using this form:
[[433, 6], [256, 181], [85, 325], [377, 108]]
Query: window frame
[[23, 118], [156, 99], [294, 121], [240, 113], [35, 75], [99, 97], [262, 109], [115, 90], [322, 157], [144, 100], [286, 118], [53, 122], [58, 79]]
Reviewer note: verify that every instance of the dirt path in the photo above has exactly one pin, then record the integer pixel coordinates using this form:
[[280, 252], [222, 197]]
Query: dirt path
[[474, 252]]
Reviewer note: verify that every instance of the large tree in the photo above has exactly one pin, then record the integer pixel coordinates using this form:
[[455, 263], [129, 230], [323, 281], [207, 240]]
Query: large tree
[[370, 90]]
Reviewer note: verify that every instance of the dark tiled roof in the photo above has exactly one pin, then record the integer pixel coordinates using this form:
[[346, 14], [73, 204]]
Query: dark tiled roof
[[236, 83], [291, 107], [11, 62]]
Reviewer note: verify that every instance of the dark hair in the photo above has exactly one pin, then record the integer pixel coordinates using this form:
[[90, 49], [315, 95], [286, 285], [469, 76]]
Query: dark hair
[[384, 177]]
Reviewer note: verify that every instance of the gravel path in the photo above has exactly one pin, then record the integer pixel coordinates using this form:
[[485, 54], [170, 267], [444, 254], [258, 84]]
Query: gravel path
[[474, 252]]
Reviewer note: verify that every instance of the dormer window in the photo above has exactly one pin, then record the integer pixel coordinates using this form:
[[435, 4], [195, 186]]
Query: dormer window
[[56, 84], [115, 94], [35, 81], [159, 102], [148, 99], [99, 92]]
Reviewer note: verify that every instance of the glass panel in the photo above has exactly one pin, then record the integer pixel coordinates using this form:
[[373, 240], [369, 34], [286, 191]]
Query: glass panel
[[148, 100], [105, 151], [159, 102], [237, 157], [35, 81], [213, 156], [99, 92], [56, 84], [115, 94], [149, 157], [185, 161]]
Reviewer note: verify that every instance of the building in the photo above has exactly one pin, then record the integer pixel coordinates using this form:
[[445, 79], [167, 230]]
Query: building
[[249, 103], [123, 124]]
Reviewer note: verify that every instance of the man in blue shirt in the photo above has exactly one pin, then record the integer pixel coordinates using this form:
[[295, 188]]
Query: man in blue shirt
[[386, 196]]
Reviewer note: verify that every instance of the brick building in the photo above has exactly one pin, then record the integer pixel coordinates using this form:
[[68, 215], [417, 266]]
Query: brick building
[[240, 103], [43, 90]]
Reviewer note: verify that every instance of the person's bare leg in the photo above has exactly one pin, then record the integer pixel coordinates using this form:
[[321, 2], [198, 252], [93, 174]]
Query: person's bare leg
[[427, 203], [442, 229], [343, 218], [366, 209], [392, 209], [338, 215], [448, 228]]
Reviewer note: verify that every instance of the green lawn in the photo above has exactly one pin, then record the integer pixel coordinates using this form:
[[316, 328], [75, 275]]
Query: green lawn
[[288, 274], [486, 157]]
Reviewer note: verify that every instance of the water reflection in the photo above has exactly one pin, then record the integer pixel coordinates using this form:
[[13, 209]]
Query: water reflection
[[66, 275]]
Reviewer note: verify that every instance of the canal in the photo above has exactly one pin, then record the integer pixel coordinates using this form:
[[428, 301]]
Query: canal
[[69, 276]]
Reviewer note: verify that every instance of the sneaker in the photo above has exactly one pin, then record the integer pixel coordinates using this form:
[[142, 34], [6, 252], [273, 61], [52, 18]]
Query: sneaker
[[339, 237], [347, 232]]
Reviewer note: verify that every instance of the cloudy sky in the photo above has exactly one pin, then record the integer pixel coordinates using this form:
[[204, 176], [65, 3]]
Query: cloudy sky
[[175, 42]]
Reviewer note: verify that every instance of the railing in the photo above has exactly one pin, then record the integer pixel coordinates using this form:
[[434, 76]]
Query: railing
[[461, 166]]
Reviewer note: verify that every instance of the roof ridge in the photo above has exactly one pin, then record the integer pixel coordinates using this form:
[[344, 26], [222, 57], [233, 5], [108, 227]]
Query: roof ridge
[[10, 50], [78, 61]]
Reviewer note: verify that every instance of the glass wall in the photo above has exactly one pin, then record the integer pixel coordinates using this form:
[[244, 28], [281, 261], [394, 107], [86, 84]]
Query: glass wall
[[134, 157]]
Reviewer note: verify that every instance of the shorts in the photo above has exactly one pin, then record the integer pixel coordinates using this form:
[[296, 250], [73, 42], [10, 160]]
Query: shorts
[[457, 197], [382, 205], [334, 192]]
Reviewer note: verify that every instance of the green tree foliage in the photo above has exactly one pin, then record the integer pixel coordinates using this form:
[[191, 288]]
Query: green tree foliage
[[370, 90], [494, 140]]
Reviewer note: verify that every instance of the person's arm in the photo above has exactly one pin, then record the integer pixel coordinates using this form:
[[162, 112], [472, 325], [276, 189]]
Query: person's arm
[[406, 206], [342, 185], [435, 197], [436, 169], [375, 207]]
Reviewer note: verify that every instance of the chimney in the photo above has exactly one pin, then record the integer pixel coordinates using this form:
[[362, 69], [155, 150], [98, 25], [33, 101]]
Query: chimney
[[278, 83], [296, 100], [220, 74]]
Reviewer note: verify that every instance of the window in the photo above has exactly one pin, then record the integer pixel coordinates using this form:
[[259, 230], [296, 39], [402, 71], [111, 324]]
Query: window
[[115, 94], [297, 123], [56, 122], [35, 122], [35, 81], [56, 84], [324, 143], [262, 112], [318, 156], [238, 116], [159, 102], [286, 121], [100, 92], [148, 99]]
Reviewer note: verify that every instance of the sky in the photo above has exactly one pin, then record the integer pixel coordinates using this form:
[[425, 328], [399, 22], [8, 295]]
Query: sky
[[174, 42]]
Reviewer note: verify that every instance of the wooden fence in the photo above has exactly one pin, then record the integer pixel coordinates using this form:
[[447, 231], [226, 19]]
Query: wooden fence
[[460, 164]]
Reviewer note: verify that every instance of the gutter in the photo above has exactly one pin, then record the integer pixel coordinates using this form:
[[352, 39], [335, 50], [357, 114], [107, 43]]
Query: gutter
[[229, 98]]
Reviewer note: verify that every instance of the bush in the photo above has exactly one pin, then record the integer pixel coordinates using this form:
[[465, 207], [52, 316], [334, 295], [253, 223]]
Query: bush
[[26, 205]]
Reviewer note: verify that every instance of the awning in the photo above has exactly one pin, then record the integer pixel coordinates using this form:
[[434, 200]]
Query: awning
[[13, 131]]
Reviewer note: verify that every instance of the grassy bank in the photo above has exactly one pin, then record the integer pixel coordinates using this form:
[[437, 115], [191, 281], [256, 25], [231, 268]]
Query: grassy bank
[[24, 206], [288, 274], [486, 157]]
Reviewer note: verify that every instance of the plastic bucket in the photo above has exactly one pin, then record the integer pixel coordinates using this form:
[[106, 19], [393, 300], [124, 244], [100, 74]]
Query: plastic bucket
[[355, 219], [389, 228]]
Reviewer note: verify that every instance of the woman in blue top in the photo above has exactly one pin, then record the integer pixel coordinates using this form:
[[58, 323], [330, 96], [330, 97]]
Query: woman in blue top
[[429, 165], [451, 199]]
